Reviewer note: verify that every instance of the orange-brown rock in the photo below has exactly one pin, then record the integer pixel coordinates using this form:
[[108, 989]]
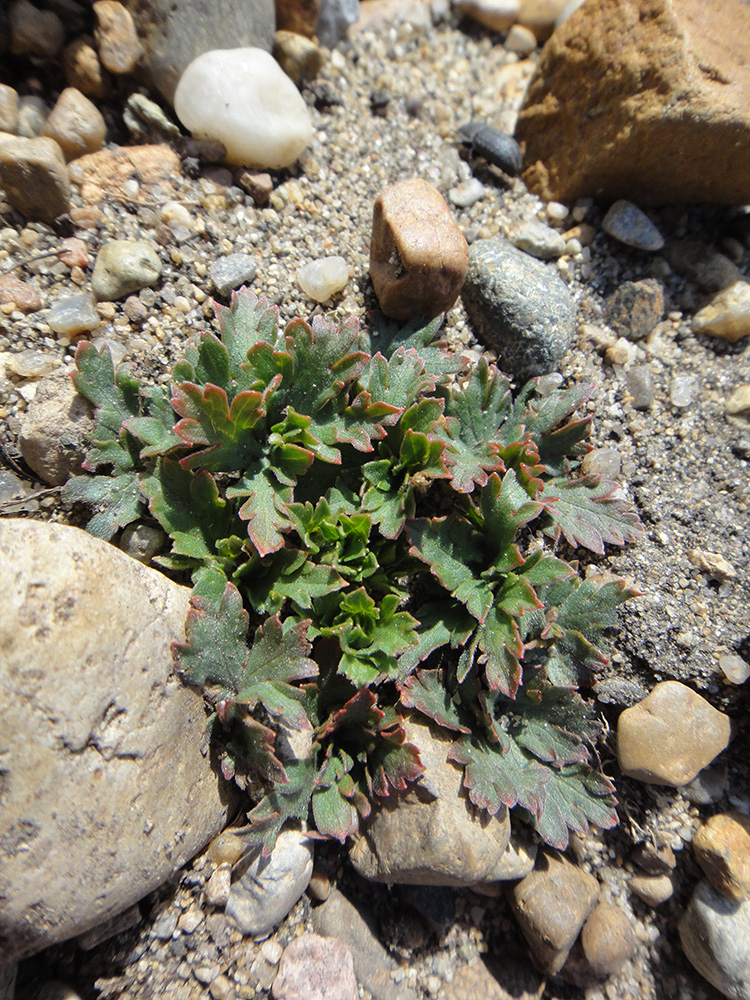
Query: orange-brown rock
[[300, 16], [108, 169], [647, 100], [418, 255], [722, 849]]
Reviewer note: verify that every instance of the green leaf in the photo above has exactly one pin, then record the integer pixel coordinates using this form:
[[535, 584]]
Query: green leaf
[[497, 775], [248, 321], [264, 509], [189, 508], [474, 414], [114, 393], [157, 429], [224, 433], [441, 623], [388, 336], [555, 728], [589, 512], [216, 650], [451, 547], [393, 764], [389, 499], [577, 797], [506, 507], [426, 692], [116, 501], [290, 801], [399, 381], [500, 642]]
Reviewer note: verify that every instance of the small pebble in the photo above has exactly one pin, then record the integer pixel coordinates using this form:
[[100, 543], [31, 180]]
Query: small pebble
[[652, 889], [467, 193], [142, 541], [684, 390], [635, 308], [667, 738], [243, 98], [519, 307], [418, 255], [190, 920], [735, 669], [316, 968], [30, 364], [221, 988], [727, 315], [219, 886], [702, 264], [10, 485], [22, 295], [227, 848], [557, 211], [33, 31], [708, 786], [123, 267], [498, 15], [539, 240], [116, 37], [640, 384], [146, 121], [604, 462], [32, 114], [8, 109], [76, 124], [714, 564], [258, 186], [299, 57], [73, 315], [228, 273], [627, 223], [83, 69], [521, 40], [35, 177], [714, 932], [324, 278], [722, 849], [737, 407]]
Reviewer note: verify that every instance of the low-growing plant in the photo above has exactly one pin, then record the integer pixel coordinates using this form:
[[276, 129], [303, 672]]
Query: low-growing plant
[[363, 522]]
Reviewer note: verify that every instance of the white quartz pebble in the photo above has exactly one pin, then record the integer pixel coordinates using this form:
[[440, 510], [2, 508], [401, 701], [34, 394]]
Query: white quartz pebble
[[320, 279], [243, 98]]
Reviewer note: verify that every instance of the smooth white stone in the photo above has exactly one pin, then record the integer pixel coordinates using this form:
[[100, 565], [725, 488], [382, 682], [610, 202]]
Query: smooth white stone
[[320, 279], [243, 98]]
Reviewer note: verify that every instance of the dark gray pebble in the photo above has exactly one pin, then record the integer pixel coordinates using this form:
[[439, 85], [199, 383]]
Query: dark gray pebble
[[702, 264], [635, 308], [519, 307]]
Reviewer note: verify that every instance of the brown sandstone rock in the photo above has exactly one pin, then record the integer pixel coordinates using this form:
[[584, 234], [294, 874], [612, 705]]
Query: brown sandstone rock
[[642, 99], [431, 834], [418, 255], [670, 736], [722, 849], [551, 905], [35, 177], [607, 942]]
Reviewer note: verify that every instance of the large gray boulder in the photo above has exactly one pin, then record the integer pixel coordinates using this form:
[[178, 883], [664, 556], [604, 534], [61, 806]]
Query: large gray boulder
[[104, 791], [173, 34]]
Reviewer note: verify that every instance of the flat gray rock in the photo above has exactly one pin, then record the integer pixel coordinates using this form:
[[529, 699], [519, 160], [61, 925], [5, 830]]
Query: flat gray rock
[[105, 791], [519, 307], [271, 886], [714, 931]]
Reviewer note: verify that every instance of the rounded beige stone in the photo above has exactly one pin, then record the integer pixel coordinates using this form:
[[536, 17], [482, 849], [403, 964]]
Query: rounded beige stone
[[727, 315], [432, 834], [418, 255], [76, 124], [105, 790], [670, 736]]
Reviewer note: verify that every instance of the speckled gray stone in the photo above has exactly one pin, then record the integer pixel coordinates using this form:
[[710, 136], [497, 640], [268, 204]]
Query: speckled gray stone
[[714, 931], [519, 307], [228, 273], [635, 308], [123, 267]]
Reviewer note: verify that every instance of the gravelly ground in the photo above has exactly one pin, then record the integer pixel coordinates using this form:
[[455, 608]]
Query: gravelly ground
[[686, 469]]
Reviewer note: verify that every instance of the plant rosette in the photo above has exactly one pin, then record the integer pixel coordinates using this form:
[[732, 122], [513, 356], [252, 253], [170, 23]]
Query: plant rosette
[[368, 529]]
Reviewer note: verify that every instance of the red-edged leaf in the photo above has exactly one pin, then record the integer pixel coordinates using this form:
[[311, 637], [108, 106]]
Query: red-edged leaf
[[590, 512]]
